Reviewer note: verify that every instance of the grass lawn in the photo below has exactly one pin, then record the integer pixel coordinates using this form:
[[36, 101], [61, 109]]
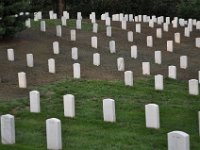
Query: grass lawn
[[71, 23], [178, 111]]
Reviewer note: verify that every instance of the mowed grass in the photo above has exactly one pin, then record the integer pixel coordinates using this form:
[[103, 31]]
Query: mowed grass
[[178, 111], [71, 23]]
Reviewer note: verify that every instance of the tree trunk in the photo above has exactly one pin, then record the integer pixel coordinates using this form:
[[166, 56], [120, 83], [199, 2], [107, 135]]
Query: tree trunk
[[60, 7]]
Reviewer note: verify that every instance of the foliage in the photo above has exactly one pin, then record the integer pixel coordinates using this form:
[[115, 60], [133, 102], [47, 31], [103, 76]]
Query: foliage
[[178, 111], [11, 21]]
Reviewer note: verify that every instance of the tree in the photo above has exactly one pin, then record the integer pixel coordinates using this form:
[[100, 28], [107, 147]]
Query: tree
[[12, 17]]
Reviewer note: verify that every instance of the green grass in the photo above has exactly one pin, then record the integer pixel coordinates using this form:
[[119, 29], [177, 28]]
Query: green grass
[[178, 111], [71, 23]]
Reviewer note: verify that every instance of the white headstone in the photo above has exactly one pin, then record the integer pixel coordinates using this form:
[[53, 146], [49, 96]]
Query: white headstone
[[138, 28], [128, 78], [159, 33], [94, 42], [28, 23], [197, 42], [95, 28], [78, 24], [134, 51], [108, 22], [193, 87], [151, 24], [149, 41], [64, 21], [22, 80], [53, 134], [199, 76], [34, 97], [183, 62], [73, 35], [56, 49], [10, 54], [112, 46], [130, 36], [109, 31], [59, 30], [158, 57], [120, 64], [43, 26], [75, 53], [124, 25], [178, 140], [29, 60], [109, 110], [69, 105], [172, 72], [158, 82], [96, 59], [177, 38], [166, 27], [77, 71], [152, 116], [187, 32], [7, 129], [170, 46], [145, 68], [51, 65]]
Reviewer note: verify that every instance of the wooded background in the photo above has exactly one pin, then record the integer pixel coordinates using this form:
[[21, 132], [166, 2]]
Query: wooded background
[[181, 8]]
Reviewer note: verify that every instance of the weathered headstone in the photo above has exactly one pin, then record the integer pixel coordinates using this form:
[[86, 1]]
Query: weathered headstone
[[78, 24], [7, 129], [138, 28], [134, 51], [53, 134], [96, 59], [158, 57], [73, 35], [94, 42], [112, 46], [29, 60], [170, 47], [178, 140], [159, 33], [172, 72], [152, 116], [193, 87], [10, 54], [75, 53], [197, 42], [109, 31], [43, 26], [120, 64], [130, 36], [77, 71], [145, 68], [34, 97], [51, 65], [95, 28], [158, 82], [149, 41], [59, 30], [69, 105], [22, 80], [56, 48], [128, 78], [183, 62], [177, 38], [109, 110], [64, 21]]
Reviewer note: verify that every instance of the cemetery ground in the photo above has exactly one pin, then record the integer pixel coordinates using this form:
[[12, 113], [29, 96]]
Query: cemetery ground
[[178, 109]]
